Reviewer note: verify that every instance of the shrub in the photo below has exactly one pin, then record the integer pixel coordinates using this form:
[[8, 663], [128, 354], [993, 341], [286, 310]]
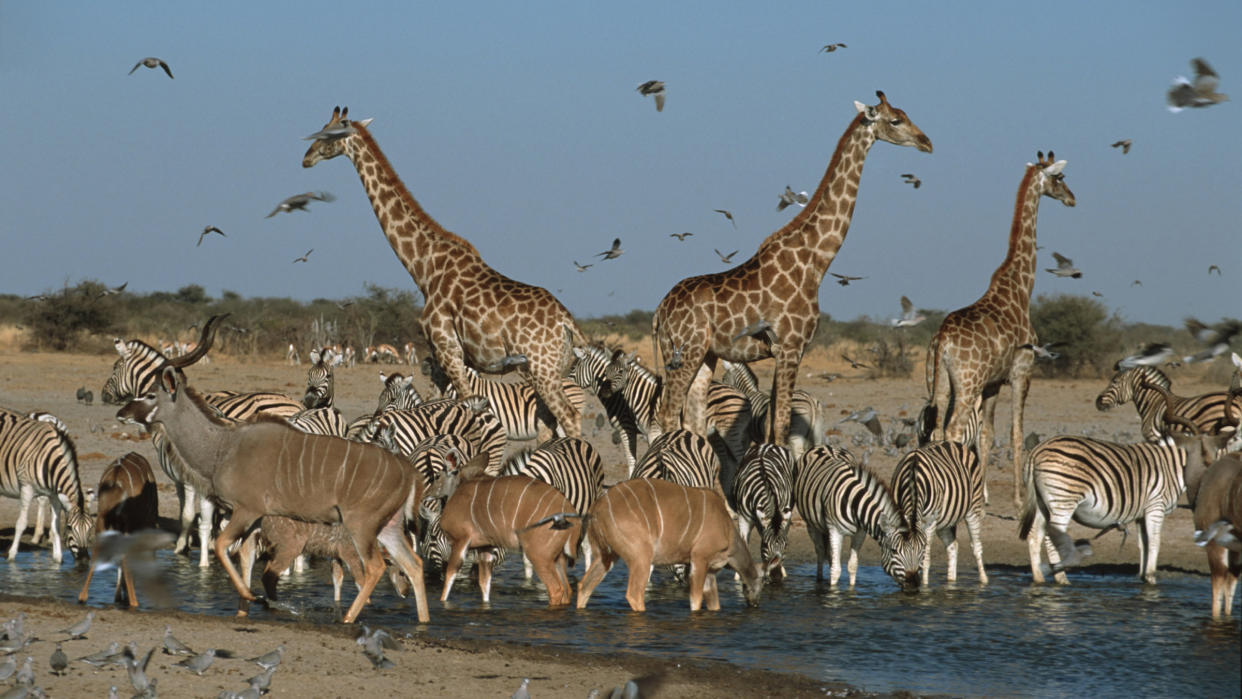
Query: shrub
[[1090, 338], [60, 321]]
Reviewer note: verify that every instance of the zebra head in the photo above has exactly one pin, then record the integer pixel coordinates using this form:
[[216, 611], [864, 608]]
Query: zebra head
[[587, 370], [319, 381], [1124, 386], [81, 528], [773, 538], [139, 365], [616, 373], [398, 393], [901, 556]]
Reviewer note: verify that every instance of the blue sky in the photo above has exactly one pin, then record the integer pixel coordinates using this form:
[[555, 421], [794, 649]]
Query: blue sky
[[517, 126]]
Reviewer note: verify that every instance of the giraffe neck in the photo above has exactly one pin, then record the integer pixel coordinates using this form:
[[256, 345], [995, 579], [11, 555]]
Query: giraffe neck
[[416, 238], [1016, 275], [821, 227]]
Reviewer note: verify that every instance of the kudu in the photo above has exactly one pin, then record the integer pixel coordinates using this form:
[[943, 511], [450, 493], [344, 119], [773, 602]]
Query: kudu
[[650, 521], [284, 538], [1215, 494], [508, 512], [127, 502], [265, 467]]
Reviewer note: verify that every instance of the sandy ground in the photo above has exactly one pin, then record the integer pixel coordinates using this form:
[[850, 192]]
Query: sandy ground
[[327, 663]]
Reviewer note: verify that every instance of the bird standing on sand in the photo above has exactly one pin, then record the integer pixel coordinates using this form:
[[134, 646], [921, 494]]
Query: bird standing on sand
[[1065, 267], [151, 62], [300, 202], [172, 646], [613, 252], [653, 88], [270, 659], [59, 661], [522, 692], [79, 629], [1201, 93], [198, 664], [1124, 145], [206, 231]]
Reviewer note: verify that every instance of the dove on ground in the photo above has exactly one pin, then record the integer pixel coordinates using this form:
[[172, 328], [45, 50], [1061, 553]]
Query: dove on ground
[[59, 661], [137, 670], [198, 664], [79, 629], [172, 646], [8, 667], [25, 675], [522, 692], [269, 659], [103, 657]]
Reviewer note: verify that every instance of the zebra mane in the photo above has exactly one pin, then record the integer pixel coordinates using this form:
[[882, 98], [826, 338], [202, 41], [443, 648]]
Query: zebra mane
[[514, 464], [1139, 375]]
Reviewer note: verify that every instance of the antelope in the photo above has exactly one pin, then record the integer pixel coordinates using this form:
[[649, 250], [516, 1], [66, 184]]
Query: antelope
[[284, 539], [127, 503], [508, 512], [265, 467], [649, 522]]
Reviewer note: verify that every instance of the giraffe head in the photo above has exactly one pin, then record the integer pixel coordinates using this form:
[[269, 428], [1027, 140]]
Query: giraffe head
[[1051, 182], [329, 141], [891, 124]]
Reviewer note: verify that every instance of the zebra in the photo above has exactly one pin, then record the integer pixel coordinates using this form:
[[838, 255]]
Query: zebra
[[838, 496], [398, 393], [134, 374], [569, 464], [326, 421], [763, 498], [401, 431], [319, 379], [36, 458], [1143, 385], [629, 392], [1104, 485], [516, 405], [936, 487], [685, 458], [437, 455], [42, 503], [807, 422]]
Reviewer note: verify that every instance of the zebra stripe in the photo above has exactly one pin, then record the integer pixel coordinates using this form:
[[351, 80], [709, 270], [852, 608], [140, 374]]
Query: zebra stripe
[[763, 498], [937, 486], [807, 422], [684, 458], [402, 431], [398, 393], [837, 496], [1206, 411], [1100, 484], [569, 464], [38, 459], [430, 459], [629, 392], [516, 405], [326, 421], [319, 380]]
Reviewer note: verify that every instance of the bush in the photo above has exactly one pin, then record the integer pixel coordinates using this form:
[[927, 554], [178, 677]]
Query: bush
[[61, 321], [1090, 339]]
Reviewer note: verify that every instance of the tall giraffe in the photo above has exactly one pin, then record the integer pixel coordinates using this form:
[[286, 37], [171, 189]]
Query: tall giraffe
[[768, 306], [989, 343], [474, 316]]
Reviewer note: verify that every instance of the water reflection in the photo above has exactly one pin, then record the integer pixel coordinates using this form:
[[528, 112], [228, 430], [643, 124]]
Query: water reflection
[[1105, 635]]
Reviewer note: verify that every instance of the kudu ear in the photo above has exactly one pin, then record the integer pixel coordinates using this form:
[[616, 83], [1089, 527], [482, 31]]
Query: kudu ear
[[170, 381], [476, 467]]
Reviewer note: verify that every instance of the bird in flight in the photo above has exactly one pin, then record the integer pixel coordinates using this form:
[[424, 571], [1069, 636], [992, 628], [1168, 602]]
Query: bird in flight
[[725, 258], [854, 363], [727, 214], [109, 291], [612, 252], [912, 180], [207, 231], [1218, 338], [1065, 267], [829, 48], [1214, 268], [681, 236], [1201, 93], [300, 201], [1043, 351], [303, 258], [1096, 293], [151, 62], [1152, 354], [791, 197], [1124, 145], [582, 268], [845, 279], [654, 88], [909, 316]]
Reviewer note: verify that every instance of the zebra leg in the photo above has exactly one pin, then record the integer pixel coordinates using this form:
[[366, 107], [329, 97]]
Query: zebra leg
[[835, 539], [41, 506], [26, 493], [819, 539], [56, 529], [1034, 546], [743, 529], [948, 536], [1150, 536], [630, 447], [974, 527], [930, 527], [206, 514], [856, 543]]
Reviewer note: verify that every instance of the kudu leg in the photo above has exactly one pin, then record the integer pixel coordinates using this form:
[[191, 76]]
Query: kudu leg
[[550, 575], [594, 575], [698, 578], [452, 565], [90, 573], [640, 574], [398, 546], [373, 570], [711, 593], [237, 526], [131, 597]]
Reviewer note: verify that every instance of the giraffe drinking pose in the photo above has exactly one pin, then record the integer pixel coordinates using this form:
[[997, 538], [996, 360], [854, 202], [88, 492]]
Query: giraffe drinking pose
[[768, 306], [474, 316], [989, 343]]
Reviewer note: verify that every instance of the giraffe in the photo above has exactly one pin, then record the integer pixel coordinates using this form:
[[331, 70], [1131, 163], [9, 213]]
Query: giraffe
[[989, 343], [768, 306], [474, 316]]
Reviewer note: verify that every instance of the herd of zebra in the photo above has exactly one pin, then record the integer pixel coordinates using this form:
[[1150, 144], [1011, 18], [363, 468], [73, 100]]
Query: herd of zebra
[[934, 488]]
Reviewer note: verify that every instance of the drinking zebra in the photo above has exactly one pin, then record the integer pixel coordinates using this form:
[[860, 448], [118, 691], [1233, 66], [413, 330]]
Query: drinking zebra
[[629, 392], [838, 496], [134, 374], [936, 487], [516, 405], [436, 456], [685, 458], [569, 464], [1101, 485], [319, 379], [763, 498], [807, 426], [1144, 386], [36, 458]]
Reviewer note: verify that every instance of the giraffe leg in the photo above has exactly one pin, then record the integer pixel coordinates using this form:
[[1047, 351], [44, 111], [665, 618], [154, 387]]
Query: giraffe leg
[[987, 422], [1020, 381], [676, 384], [787, 360], [695, 415], [548, 385]]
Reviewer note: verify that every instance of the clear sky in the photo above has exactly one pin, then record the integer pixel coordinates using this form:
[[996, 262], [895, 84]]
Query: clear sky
[[517, 126]]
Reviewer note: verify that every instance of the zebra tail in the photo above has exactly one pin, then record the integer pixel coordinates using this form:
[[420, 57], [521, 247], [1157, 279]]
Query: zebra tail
[[1029, 501]]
